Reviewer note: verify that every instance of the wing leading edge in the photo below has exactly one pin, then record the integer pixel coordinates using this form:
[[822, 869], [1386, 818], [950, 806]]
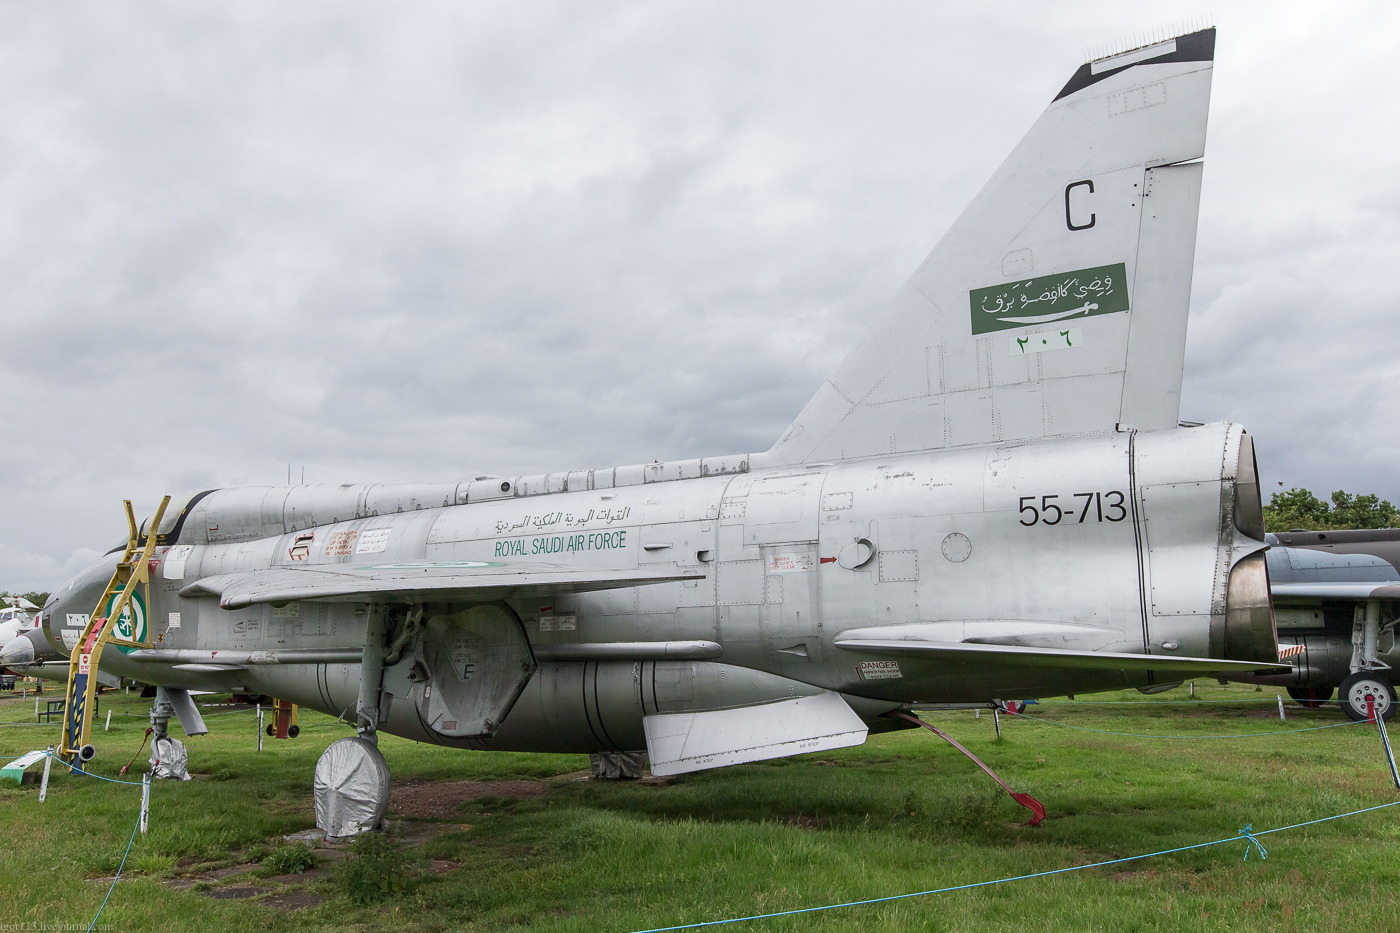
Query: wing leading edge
[[418, 581]]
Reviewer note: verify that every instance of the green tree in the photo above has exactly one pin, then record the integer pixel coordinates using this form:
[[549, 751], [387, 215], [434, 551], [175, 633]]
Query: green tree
[[1299, 508], [1368, 511], [36, 598]]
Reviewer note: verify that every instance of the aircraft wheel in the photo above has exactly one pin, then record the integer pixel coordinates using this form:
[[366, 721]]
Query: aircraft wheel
[[352, 788], [293, 731], [1311, 697], [271, 729], [1357, 687]]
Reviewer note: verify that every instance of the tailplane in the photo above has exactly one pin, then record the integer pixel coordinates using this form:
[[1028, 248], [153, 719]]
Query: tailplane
[[1056, 304]]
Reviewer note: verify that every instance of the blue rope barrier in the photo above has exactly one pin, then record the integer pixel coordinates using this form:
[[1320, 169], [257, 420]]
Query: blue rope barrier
[[1247, 835], [101, 778], [118, 874], [1140, 735], [76, 770]]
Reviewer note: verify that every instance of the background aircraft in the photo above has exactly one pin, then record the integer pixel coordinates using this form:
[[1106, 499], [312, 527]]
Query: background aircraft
[[991, 498], [17, 615], [1337, 595]]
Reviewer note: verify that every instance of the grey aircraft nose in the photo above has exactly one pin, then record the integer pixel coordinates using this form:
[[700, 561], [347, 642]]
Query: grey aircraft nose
[[17, 654]]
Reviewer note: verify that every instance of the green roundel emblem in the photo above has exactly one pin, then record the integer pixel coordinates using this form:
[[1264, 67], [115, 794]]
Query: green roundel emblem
[[132, 624]]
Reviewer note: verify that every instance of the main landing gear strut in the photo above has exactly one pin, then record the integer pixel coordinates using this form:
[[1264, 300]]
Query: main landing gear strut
[[353, 784], [1367, 691]]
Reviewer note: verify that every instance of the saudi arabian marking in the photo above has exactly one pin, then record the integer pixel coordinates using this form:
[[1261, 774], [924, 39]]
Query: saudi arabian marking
[[1047, 298], [131, 625], [563, 544], [1025, 344], [567, 519]]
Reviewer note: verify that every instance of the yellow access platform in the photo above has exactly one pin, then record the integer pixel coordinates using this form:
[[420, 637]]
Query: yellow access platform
[[115, 620]]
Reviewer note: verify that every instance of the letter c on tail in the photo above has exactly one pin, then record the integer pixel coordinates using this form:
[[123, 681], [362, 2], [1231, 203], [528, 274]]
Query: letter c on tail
[[1069, 221]]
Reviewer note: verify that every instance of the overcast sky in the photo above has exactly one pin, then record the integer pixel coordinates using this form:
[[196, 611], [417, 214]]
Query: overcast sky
[[392, 242]]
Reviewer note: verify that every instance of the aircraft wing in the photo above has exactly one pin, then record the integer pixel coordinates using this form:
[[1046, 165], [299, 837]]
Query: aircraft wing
[[1380, 590], [1015, 656], [418, 581]]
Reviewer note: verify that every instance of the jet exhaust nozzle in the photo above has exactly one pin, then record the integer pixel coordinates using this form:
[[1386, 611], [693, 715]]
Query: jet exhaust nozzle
[[1250, 633]]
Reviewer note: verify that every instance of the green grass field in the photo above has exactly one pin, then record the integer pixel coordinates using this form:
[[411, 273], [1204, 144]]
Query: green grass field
[[903, 813]]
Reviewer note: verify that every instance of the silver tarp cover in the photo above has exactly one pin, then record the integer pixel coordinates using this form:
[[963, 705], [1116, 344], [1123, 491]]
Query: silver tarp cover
[[352, 788], [617, 766], [169, 759]]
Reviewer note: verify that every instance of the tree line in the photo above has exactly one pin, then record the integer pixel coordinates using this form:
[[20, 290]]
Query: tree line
[[1299, 508], [35, 597]]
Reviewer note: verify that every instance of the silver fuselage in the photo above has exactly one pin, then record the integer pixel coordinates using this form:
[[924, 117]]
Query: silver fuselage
[[1114, 542]]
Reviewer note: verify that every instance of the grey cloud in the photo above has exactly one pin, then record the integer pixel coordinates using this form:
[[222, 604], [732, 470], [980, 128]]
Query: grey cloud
[[418, 245]]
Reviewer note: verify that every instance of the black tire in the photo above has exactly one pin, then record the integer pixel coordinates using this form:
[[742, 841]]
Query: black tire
[[293, 731], [271, 729], [1351, 695], [1311, 697]]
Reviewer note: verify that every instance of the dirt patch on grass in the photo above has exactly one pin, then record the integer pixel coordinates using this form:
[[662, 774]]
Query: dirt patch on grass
[[410, 834], [311, 874], [1122, 876], [442, 799], [295, 900], [236, 893], [221, 873]]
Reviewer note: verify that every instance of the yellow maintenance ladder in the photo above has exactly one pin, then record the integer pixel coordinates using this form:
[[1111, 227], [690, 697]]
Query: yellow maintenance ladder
[[118, 618]]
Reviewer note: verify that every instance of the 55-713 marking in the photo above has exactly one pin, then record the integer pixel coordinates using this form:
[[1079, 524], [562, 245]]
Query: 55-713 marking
[[1104, 506]]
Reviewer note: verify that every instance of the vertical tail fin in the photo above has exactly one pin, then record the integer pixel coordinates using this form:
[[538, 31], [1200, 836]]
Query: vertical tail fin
[[1056, 304]]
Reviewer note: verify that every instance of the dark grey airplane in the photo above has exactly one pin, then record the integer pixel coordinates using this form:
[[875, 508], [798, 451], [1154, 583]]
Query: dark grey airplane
[[1337, 595]]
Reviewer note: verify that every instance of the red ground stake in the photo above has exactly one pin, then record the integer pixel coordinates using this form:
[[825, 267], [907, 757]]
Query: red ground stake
[[1025, 800]]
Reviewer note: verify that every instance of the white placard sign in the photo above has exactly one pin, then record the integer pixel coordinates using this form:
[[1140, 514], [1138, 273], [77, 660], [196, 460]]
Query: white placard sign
[[373, 541], [558, 623]]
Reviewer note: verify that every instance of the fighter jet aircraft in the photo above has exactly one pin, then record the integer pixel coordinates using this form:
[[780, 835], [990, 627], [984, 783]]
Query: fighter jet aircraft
[[991, 498], [16, 615], [1338, 602]]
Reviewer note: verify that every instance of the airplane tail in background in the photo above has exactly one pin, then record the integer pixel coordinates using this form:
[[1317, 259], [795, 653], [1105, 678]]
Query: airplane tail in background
[[1056, 304]]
